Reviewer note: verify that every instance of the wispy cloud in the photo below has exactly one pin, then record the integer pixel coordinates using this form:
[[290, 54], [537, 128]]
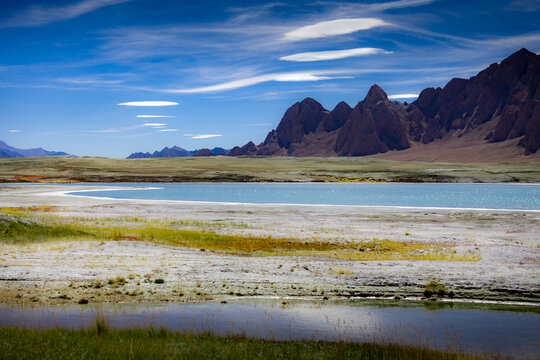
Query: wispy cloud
[[511, 42], [280, 77], [307, 76], [149, 103], [154, 116], [333, 54], [14, 131], [38, 15], [89, 81], [524, 5], [400, 4], [155, 125], [115, 130], [403, 96], [332, 28], [168, 130], [202, 136]]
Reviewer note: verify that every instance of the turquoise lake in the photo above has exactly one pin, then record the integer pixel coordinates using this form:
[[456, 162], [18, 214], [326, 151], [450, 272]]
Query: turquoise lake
[[423, 195]]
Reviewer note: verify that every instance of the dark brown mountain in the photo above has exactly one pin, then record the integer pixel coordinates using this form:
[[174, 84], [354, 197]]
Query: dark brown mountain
[[204, 152], [379, 123], [249, 149], [500, 105]]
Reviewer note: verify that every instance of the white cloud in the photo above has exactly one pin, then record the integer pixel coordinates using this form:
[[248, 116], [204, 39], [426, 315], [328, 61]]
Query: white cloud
[[332, 28], [154, 116], [116, 130], [230, 85], [202, 136], [149, 103], [333, 55], [14, 131], [307, 76], [39, 15], [155, 125], [168, 130], [403, 96]]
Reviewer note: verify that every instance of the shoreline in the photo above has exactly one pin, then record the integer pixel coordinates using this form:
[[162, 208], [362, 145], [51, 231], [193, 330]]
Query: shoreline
[[188, 202]]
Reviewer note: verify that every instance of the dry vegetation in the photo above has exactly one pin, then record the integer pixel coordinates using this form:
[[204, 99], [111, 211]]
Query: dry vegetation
[[223, 169], [174, 233]]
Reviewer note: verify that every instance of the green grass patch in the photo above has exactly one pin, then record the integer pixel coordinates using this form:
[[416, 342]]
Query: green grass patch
[[14, 232], [103, 342]]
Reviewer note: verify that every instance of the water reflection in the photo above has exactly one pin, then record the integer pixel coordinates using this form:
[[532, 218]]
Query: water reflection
[[504, 332]]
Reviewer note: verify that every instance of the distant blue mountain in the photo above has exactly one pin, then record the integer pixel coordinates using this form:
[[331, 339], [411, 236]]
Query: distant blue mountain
[[10, 151], [176, 151]]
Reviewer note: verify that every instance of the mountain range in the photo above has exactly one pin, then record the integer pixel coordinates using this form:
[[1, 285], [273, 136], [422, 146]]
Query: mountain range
[[493, 116], [10, 151], [176, 151]]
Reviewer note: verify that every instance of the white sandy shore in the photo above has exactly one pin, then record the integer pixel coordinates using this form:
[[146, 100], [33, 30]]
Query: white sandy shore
[[507, 241]]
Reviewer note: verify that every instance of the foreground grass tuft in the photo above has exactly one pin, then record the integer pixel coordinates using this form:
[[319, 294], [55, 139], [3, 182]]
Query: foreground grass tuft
[[102, 342]]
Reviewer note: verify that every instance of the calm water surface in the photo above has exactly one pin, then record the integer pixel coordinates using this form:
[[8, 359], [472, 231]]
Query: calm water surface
[[505, 332], [483, 196]]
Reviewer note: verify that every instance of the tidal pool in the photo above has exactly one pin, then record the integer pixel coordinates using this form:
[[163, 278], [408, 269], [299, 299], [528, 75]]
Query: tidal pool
[[472, 330]]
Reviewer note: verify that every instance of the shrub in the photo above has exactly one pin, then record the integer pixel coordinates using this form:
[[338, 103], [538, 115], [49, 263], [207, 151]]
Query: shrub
[[434, 287]]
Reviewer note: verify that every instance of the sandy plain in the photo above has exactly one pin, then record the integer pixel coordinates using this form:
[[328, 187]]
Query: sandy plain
[[506, 245]]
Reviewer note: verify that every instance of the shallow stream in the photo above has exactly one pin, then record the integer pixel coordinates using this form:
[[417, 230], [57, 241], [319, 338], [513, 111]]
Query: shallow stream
[[440, 326]]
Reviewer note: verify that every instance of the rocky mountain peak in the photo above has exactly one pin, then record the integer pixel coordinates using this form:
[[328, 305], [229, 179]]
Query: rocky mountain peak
[[300, 119], [375, 94]]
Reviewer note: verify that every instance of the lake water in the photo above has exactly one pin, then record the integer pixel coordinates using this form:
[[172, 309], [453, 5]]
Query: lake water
[[505, 332], [475, 196]]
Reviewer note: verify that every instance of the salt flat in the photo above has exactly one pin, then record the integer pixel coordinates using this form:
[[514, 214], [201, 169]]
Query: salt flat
[[505, 242]]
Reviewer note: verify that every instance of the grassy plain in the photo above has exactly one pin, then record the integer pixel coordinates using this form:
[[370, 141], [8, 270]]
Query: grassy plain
[[102, 342], [256, 169]]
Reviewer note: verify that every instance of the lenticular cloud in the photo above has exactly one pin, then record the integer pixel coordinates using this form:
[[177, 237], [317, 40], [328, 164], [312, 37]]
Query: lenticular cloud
[[332, 28], [333, 54], [154, 116], [149, 103]]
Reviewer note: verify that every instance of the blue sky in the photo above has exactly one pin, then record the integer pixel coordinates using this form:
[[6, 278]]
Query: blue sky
[[227, 70]]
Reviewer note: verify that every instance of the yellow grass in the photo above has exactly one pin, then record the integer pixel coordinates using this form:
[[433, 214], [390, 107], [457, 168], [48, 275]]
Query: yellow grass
[[167, 232], [161, 233], [22, 211]]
